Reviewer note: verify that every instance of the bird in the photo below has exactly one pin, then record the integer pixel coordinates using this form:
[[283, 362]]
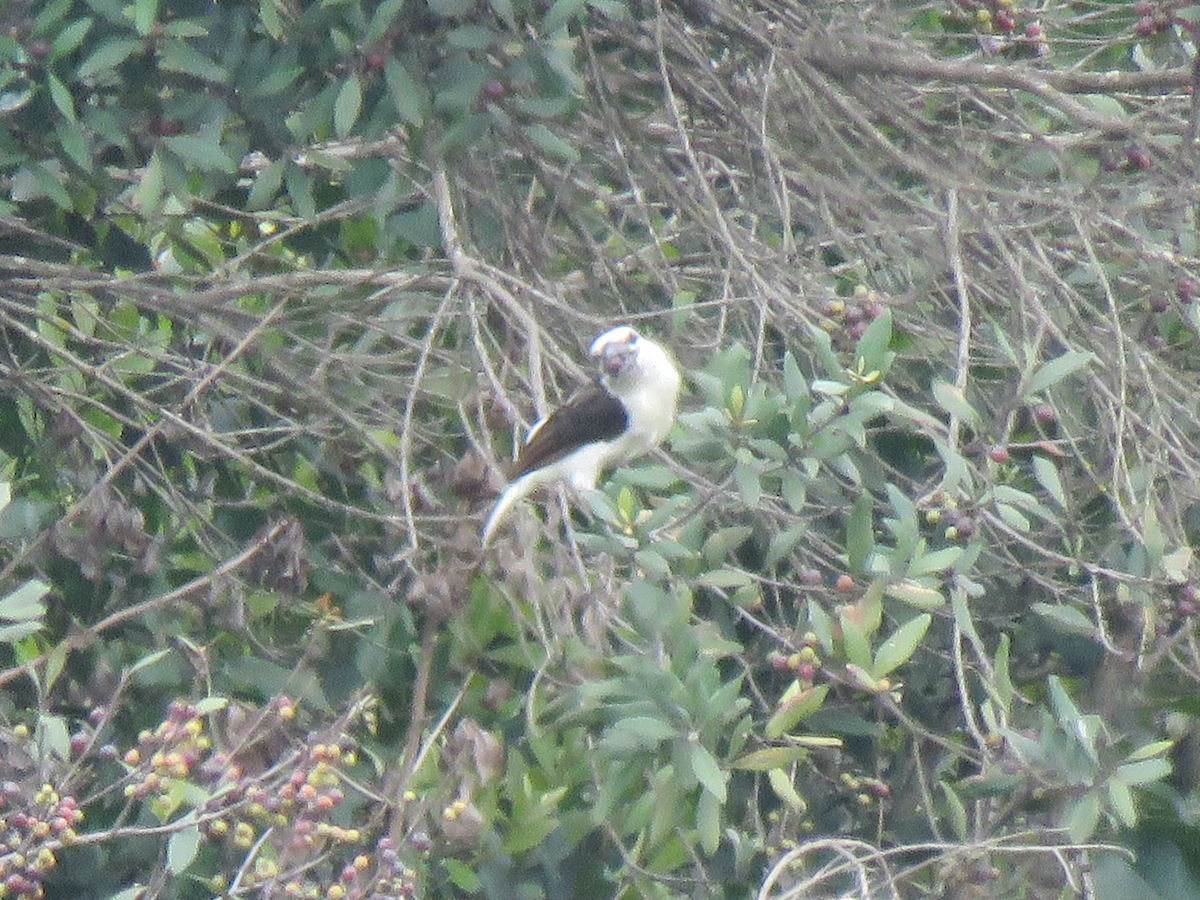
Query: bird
[[625, 413]]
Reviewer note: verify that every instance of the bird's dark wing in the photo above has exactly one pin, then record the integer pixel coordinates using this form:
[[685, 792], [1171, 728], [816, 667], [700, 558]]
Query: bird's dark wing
[[591, 416]]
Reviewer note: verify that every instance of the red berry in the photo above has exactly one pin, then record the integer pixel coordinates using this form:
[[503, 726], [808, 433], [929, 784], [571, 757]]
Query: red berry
[[494, 90], [998, 454], [1044, 414], [1143, 8], [845, 583], [39, 50], [1005, 20], [1146, 26], [1033, 31], [1138, 158], [374, 61]]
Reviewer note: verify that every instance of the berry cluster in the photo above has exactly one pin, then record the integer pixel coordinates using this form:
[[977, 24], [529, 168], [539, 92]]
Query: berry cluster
[[284, 810], [168, 754], [942, 511], [1002, 20], [1184, 610], [846, 320], [804, 664], [1154, 17], [30, 837], [866, 790]]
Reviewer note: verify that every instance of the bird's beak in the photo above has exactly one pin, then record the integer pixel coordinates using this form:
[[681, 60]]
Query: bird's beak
[[614, 356]]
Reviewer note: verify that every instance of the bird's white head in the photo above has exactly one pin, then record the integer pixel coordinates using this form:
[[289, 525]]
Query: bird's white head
[[615, 348]]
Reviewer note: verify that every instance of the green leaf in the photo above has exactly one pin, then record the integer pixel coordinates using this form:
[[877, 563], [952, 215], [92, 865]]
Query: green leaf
[[409, 99], [708, 822], [916, 595], [858, 649], [211, 704], [1004, 686], [25, 603], [1120, 799], [1065, 711], [49, 14], [1082, 817], [300, 190], [1154, 748], [12, 634], [708, 771], [185, 28], [795, 708], [951, 399], [179, 56], [71, 37], [1046, 474], [871, 351], [795, 386], [50, 180], [266, 185], [382, 19], [504, 11], [550, 142], [75, 144], [560, 13], [145, 14], [636, 733], [860, 536], [1144, 771], [148, 194], [937, 561], [148, 660], [769, 758], [202, 151], [1056, 370], [53, 737], [470, 37], [529, 832], [782, 785], [903, 642], [182, 848], [957, 811], [1068, 618], [273, 82], [108, 55], [749, 484], [348, 106], [784, 542], [459, 873], [1012, 517], [271, 21], [724, 579]]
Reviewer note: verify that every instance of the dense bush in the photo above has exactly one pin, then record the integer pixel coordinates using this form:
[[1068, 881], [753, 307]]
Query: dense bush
[[905, 608]]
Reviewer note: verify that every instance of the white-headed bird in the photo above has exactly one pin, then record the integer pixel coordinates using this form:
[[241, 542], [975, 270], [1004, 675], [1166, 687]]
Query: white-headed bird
[[626, 413]]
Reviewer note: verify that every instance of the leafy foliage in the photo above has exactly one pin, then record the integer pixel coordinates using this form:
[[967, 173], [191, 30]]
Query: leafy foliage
[[908, 606]]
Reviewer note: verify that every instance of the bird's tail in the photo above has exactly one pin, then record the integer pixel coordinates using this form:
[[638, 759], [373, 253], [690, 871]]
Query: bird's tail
[[515, 492]]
